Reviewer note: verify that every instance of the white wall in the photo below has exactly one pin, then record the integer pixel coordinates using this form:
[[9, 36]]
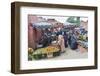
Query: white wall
[[5, 33]]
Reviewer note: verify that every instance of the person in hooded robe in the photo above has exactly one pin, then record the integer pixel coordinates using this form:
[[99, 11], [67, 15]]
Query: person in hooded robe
[[65, 39]]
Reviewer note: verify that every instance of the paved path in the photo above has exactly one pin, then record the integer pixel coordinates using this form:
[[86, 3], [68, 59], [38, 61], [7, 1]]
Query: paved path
[[72, 54]]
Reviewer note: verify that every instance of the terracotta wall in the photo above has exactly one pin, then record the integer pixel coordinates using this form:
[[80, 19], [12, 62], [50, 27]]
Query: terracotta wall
[[34, 34], [31, 37], [32, 18]]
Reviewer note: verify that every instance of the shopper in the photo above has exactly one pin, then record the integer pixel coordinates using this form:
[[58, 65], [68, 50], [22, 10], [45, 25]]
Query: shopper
[[65, 39], [69, 38], [45, 40]]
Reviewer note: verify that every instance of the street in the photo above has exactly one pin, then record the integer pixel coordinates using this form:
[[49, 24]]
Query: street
[[72, 54]]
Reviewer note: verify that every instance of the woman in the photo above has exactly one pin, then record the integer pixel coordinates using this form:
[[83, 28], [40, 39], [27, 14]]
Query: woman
[[61, 43]]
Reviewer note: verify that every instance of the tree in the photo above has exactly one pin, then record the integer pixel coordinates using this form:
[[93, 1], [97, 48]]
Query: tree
[[73, 19]]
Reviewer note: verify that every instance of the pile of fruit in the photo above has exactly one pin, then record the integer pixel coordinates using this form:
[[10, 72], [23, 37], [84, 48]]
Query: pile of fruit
[[46, 52], [83, 37]]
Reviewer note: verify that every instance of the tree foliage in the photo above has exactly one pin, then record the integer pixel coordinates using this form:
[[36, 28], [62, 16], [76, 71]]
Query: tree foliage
[[75, 20]]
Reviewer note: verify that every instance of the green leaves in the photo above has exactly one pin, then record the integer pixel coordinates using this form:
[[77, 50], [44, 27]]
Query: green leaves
[[74, 20]]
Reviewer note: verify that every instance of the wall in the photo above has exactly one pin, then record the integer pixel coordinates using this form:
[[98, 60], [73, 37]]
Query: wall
[[5, 35]]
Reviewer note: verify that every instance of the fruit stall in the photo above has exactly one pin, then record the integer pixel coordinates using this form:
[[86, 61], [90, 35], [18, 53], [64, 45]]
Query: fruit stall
[[83, 43], [43, 53]]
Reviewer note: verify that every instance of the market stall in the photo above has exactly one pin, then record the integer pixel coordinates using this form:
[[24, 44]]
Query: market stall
[[43, 53]]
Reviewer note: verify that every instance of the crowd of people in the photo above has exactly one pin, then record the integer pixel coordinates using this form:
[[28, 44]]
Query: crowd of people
[[63, 38]]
